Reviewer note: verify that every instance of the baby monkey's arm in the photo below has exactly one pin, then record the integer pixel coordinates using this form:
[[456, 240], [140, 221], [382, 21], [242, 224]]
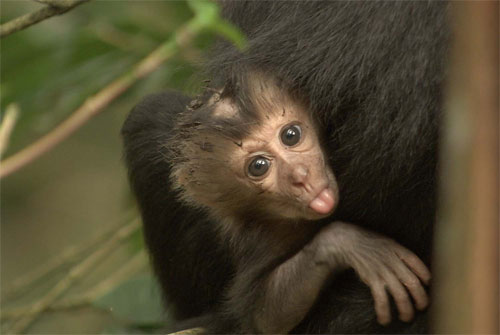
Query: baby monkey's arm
[[292, 288]]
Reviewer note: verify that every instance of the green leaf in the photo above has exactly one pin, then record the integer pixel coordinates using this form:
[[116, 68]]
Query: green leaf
[[207, 12], [137, 300], [207, 16]]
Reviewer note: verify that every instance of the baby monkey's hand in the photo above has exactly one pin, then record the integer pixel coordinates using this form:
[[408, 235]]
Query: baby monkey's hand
[[380, 262]]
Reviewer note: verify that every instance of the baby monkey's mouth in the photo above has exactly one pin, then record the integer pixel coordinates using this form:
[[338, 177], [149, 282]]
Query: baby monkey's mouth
[[324, 202]]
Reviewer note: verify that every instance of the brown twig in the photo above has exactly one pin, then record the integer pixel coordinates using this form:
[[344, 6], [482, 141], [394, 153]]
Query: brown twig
[[73, 275], [95, 104], [67, 256], [138, 261], [117, 38], [129, 268], [8, 123], [55, 3], [55, 7], [191, 331]]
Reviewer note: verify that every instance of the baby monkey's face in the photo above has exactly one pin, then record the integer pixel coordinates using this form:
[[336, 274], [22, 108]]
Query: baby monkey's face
[[283, 162], [272, 168]]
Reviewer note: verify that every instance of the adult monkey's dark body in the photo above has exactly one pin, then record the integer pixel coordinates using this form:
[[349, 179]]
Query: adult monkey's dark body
[[372, 73]]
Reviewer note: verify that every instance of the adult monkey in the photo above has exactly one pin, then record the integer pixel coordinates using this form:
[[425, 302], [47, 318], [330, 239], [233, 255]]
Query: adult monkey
[[372, 73]]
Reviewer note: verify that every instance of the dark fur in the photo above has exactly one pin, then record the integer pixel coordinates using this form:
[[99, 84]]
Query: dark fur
[[372, 72], [176, 235]]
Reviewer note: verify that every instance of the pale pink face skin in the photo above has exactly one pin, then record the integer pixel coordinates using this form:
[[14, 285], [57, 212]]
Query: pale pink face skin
[[298, 181]]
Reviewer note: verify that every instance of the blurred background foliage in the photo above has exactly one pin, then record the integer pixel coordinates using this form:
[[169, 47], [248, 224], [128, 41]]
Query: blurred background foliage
[[77, 195]]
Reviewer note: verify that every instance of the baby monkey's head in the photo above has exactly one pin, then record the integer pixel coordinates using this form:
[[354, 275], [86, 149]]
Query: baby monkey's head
[[251, 151]]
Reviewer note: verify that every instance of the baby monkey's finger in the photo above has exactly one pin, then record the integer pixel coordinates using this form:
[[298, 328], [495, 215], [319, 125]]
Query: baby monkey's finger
[[415, 264], [381, 302], [400, 296], [412, 284]]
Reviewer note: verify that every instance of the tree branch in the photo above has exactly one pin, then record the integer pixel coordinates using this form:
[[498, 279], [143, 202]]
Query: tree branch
[[69, 255], [131, 267], [8, 123], [73, 275], [55, 7], [191, 331], [95, 104], [466, 269], [55, 3]]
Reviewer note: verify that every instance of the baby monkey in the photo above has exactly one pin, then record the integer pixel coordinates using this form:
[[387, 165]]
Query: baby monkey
[[251, 156]]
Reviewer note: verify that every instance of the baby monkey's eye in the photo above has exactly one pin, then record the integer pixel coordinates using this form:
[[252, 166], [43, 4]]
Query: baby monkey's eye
[[258, 166], [290, 135]]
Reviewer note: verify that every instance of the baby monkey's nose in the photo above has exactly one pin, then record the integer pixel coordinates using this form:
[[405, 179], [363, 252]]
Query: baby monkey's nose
[[299, 174]]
